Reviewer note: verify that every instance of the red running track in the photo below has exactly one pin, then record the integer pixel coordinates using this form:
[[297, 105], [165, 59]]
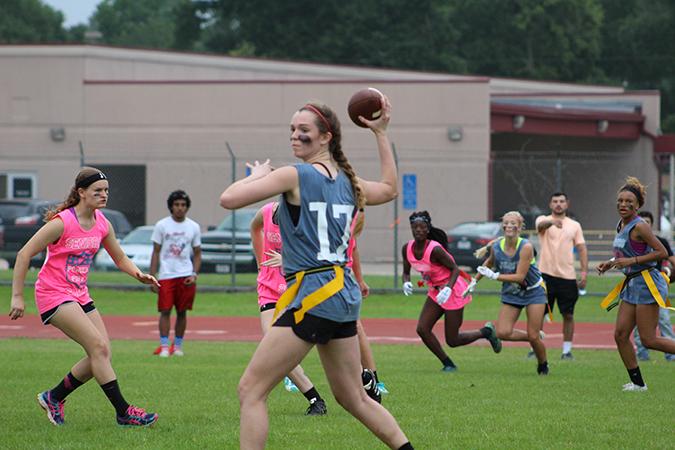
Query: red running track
[[247, 329]]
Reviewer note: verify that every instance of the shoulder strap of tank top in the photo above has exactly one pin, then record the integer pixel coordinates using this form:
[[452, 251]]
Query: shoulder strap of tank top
[[330, 174]]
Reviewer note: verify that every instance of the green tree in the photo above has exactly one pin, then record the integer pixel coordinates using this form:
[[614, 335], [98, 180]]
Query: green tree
[[638, 50], [388, 33], [30, 21], [539, 39], [147, 23]]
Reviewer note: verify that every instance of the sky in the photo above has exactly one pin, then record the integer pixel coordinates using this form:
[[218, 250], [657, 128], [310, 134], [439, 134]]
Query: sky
[[75, 11]]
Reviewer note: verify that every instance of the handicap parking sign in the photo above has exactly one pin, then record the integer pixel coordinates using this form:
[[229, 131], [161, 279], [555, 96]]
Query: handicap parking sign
[[409, 191]]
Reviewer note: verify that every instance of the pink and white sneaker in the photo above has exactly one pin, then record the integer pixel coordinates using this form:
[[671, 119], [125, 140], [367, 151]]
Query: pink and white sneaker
[[54, 409], [137, 417]]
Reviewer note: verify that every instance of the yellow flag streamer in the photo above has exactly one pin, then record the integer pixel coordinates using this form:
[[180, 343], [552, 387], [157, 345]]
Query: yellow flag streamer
[[612, 300], [310, 301]]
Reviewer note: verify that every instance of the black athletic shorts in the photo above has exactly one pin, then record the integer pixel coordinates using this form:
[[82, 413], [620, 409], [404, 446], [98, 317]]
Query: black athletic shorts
[[565, 291], [47, 315], [316, 330], [267, 307]]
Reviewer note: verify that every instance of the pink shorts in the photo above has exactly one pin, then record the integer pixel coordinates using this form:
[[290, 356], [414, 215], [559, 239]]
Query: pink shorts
[[267, 295], [455, 301]]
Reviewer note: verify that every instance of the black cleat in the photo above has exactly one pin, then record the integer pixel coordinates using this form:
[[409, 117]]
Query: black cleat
[[370, 385], [317, 408]]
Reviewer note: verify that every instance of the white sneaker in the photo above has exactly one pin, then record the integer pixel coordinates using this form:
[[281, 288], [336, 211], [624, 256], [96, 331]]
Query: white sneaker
[[164, 353], [542, 335], [632, 387], [177, 351]]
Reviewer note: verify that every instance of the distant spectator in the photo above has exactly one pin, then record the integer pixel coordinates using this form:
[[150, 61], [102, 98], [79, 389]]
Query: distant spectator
[[176, 239], [559, 236]]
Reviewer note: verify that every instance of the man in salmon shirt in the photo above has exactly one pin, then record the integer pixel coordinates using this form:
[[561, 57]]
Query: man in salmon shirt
[[558, 237]]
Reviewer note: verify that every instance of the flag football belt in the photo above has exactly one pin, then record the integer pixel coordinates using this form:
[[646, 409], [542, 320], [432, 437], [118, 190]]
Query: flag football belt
[[613, 298], [314, 298]]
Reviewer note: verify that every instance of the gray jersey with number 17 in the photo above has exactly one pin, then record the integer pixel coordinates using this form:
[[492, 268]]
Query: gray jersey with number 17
[[320, 238]]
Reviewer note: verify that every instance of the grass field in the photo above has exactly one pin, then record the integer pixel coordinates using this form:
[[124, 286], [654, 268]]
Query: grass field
[[493, 402]]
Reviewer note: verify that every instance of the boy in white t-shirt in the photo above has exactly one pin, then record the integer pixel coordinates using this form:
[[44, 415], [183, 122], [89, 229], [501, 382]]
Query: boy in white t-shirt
[[175, 240]]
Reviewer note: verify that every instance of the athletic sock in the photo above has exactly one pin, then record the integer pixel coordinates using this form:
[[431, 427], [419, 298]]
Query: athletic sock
[[178, 342], [164, 341], [65, 387], [112, 391], [567, 347], [312, 395], [447, 362], [406, 446], [636, 376], [377, 380], [485, 332]]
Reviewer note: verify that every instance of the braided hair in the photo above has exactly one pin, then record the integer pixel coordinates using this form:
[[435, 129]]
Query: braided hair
[[335, 145], [435, 234], [73, 197]]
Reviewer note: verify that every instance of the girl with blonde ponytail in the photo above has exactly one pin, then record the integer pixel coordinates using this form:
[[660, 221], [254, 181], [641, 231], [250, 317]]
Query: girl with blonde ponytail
[[319, 200]]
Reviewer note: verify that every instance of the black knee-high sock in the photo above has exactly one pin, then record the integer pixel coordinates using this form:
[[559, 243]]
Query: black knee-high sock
[[312, 395], [65, 387], [636, 376], [112, 391]]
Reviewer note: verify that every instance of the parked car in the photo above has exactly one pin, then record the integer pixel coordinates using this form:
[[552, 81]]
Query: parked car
[[119, 222], [22, 218], [137, 245], [465, 238], [217, 244]]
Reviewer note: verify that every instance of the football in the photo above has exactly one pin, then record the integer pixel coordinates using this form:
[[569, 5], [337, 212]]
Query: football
[[367, 103]]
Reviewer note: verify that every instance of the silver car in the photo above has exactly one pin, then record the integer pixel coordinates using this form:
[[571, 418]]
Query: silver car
[[138, 247]]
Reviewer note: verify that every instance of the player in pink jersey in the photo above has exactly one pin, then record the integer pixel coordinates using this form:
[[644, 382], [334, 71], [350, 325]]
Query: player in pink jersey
[[72, 236], [266, 241], [427, 253]]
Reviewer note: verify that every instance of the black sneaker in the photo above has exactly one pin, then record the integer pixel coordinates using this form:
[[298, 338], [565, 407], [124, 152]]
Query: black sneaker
[[542, 369], [567, 356], [317, 408], [370, 385]]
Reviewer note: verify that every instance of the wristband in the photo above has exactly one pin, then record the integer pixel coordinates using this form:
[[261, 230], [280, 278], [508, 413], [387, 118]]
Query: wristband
[[194, 274]]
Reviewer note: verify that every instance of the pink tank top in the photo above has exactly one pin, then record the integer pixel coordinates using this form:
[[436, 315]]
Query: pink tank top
[[63, 276], [435, 276], [271, 282]]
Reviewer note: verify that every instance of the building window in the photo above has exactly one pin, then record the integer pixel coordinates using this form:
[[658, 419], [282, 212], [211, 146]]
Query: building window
[[18, 185]]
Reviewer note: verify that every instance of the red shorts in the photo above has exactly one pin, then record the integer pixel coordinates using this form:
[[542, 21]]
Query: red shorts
[[174, 292]]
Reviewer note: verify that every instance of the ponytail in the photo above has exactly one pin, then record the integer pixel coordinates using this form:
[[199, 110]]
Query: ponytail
[[73, 197]]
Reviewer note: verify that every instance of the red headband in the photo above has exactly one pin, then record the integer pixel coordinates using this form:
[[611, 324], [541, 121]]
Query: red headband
[[316, 111]]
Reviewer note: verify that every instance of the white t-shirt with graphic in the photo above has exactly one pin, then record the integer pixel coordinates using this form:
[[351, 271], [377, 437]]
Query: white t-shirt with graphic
[[177, 240]]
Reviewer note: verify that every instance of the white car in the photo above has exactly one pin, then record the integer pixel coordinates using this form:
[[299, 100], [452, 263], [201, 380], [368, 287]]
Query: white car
[[138, 247]]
